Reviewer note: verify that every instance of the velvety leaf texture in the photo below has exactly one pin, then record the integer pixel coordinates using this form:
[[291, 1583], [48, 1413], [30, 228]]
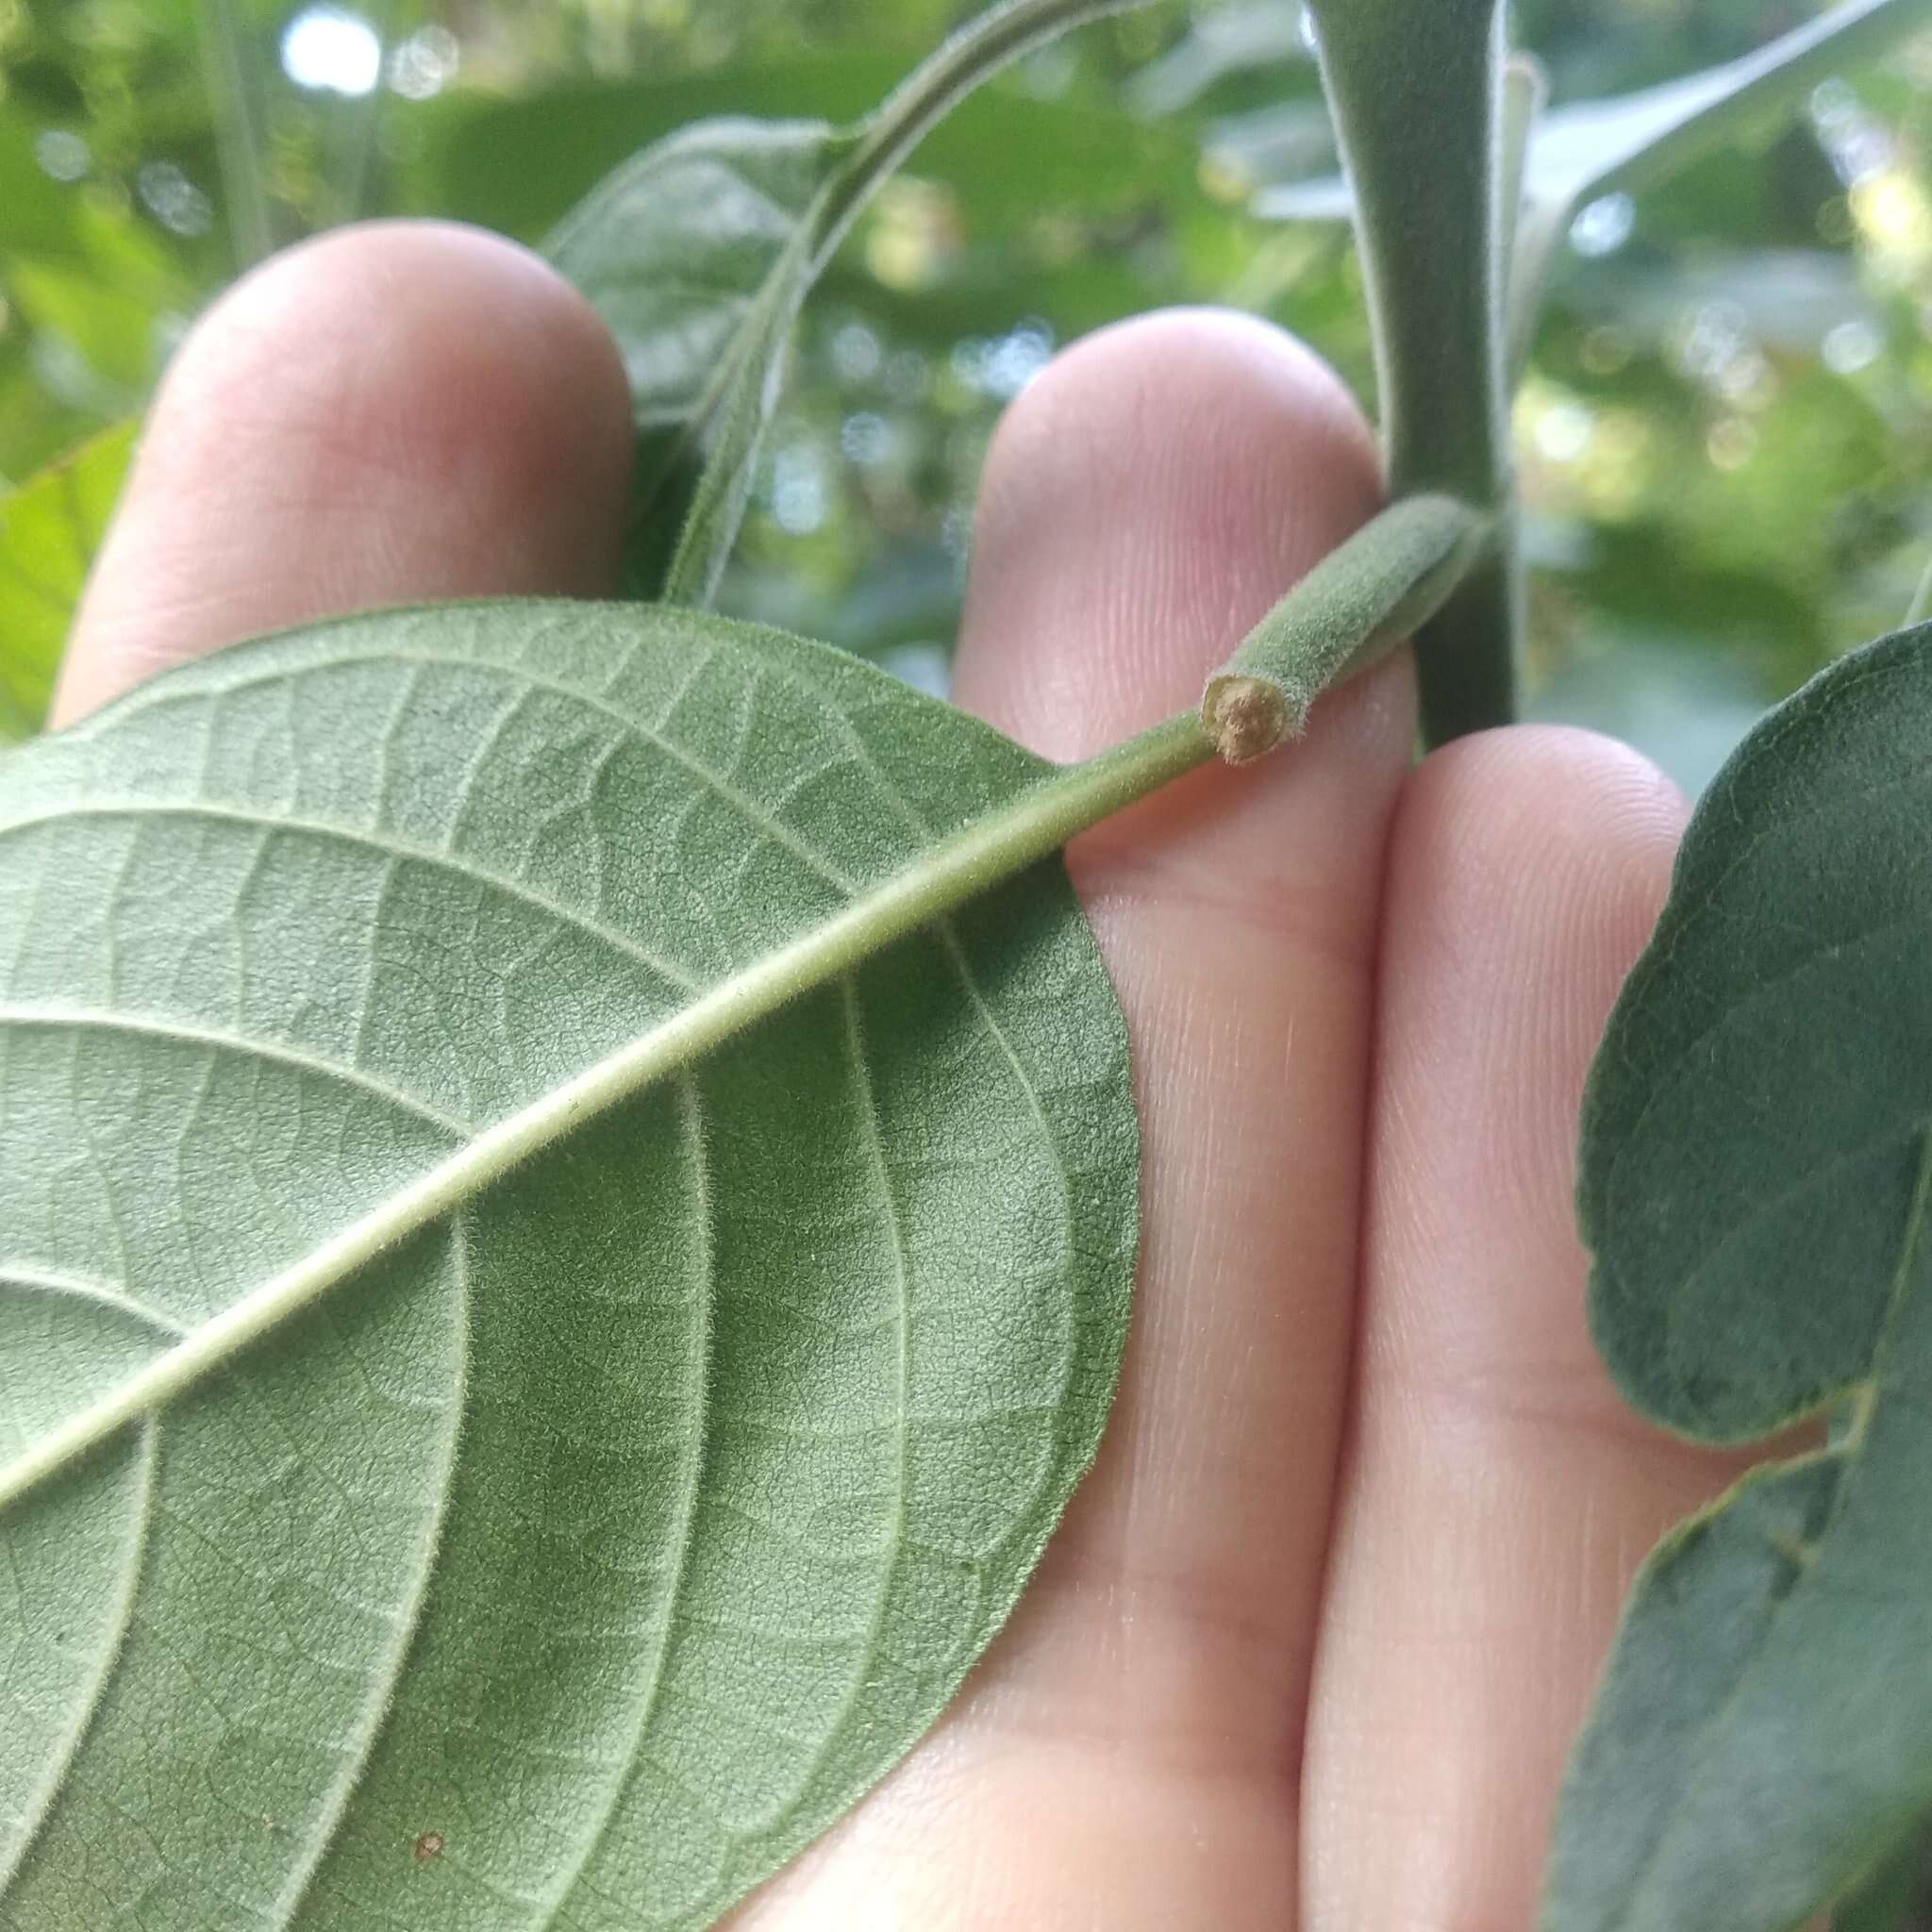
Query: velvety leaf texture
[[50, 527], [580, 1559], [1756, 1172]]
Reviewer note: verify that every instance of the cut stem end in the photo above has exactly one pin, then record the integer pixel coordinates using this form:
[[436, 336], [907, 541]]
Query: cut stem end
[[1245, 718]]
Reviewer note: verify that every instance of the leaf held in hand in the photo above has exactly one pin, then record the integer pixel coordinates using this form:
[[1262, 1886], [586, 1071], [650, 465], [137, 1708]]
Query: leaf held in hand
[[581, 1556], [1756, 1179]]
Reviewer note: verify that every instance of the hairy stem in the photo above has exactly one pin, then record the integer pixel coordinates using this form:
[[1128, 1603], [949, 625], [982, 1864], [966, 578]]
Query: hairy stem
[[1356, 603], [1417, 97], [1026, 829]]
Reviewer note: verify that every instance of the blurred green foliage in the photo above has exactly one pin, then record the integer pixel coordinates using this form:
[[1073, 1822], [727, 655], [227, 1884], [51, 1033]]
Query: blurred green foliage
[[1724, 439]]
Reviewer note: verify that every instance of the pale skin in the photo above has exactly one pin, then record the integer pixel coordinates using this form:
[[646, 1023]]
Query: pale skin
[[1311, 1646]]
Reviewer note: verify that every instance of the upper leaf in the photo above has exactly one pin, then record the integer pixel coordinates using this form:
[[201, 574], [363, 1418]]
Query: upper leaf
[[582, 1557], [700, 252], [1756, 1170], [1589, 148], [673, 248], [50, 527], [697, 253]]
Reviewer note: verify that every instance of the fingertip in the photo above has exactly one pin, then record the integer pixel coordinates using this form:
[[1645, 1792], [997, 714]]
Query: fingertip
[[1526, 870], [391, 412], [1540, 843]]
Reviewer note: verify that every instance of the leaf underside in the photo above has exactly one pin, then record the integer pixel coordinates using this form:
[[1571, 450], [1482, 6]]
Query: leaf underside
[[1757, 1175], [576, 1563]]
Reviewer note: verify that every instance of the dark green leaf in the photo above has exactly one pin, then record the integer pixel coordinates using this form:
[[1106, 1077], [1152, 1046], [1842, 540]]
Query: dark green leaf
[[674, 248], [578, 1557], [1756, 1175], [698, 253]]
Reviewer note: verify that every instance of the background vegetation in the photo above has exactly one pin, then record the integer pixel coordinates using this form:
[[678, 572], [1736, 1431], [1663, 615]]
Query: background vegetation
[[1725, 439]]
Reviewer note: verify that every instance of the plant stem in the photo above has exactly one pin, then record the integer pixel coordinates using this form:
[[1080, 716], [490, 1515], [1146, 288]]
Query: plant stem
[[1417, 96], [1007, 840], [251, 226], [1356, 603]]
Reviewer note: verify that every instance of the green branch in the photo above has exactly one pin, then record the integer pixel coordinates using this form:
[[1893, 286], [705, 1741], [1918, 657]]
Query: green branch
[[1417, 94]]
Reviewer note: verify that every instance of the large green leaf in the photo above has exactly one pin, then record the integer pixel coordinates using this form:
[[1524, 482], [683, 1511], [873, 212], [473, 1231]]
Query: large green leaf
[[578, 1557], [50, 527], [1755, 1183]]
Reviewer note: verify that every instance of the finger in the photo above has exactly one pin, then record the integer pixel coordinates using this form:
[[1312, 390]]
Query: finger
[[1497, 1494], [1144, 502], [394, 412]]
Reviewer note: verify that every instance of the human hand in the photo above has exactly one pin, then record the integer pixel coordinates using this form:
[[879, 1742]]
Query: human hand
[[1311, 1645]]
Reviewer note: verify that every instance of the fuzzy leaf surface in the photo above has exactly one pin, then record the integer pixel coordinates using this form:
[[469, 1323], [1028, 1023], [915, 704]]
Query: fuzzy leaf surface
[[1757, 1175], [580, 1559]]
